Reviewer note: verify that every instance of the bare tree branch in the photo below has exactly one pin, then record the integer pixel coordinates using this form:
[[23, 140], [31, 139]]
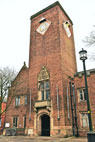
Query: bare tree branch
[[89, 42], [6, 76]]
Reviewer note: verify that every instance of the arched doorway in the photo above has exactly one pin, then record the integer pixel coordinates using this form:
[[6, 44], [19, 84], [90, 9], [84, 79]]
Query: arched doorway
[[45, 125]]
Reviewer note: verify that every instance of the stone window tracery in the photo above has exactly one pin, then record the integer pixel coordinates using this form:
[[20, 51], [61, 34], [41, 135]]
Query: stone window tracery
[[43, 85], [45, 90]]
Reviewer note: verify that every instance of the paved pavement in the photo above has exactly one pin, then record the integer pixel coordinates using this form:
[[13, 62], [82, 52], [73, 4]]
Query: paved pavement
[[39, 139]]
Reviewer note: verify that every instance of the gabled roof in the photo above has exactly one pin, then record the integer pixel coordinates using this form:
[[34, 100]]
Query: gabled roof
[[49, 7], [24, 67]]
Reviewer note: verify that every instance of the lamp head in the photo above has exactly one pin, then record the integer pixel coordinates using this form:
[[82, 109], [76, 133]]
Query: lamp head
[[83, 54]]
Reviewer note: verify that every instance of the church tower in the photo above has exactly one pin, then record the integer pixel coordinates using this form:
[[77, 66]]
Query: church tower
[[51, 62]]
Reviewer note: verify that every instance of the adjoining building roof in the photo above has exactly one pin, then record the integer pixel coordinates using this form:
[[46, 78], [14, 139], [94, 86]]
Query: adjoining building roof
[[79, 74], [49, 7]]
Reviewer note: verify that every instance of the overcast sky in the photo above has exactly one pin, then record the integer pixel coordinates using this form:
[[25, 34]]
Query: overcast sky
[[15, 27]]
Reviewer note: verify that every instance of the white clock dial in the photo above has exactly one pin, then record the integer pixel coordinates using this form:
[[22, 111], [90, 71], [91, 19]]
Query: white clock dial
[[43, 27]]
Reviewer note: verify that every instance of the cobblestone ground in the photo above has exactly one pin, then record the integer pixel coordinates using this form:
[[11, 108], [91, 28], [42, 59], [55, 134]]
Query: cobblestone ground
[[39, 139]]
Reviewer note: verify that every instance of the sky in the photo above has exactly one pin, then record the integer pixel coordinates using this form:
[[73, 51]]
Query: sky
[[15, 28]]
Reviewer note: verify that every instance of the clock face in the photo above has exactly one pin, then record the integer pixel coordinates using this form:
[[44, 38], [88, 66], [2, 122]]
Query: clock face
[[67, 29], [43, 27]]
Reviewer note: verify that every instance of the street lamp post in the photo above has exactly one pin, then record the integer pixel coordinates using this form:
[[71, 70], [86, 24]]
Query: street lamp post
[[91, 134], [83, 57]]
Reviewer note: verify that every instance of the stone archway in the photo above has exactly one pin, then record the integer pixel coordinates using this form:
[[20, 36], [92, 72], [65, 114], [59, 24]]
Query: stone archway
[[45, 125], [43, 117]]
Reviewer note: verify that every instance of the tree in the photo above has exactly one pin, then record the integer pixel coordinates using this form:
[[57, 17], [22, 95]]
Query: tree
[[7, 75], [89, 41]]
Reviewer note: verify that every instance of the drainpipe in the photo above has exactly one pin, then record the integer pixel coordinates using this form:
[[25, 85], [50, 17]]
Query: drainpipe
[[58, 116], [30, 107], [68, 104], [73, 87], [72, 109]]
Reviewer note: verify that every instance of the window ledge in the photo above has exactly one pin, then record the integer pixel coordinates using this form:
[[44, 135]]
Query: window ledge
[[40, 104]]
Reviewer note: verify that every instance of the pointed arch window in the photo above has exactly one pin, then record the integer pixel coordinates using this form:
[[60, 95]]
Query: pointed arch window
[[45, 90], [44, 84]]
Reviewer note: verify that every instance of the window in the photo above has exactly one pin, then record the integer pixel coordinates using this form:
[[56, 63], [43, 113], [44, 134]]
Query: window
[[25, 101], [82, 94], [17, 101], [43, 84], [15, 121], [24, 121], [45, 90], [84, 120]]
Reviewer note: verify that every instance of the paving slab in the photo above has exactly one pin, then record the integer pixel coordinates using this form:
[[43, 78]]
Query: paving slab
[[40, 139]]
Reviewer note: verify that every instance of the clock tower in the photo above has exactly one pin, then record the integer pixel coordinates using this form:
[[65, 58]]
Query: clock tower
[[51, 61]]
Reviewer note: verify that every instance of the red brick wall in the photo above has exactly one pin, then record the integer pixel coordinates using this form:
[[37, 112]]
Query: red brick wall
[[82, 106], [55, 51], [45, 51], [3, 115], [20, 88], [68, 59]]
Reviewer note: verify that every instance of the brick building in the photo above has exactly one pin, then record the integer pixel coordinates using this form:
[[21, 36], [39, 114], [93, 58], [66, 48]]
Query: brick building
[[41, 103], [81, 101], [2, 119]]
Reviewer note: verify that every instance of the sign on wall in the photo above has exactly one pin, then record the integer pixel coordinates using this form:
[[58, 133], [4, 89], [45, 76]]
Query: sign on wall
[[7, 125]]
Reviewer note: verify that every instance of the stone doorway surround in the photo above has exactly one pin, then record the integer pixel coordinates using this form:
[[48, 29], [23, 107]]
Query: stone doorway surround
[[37, 121]]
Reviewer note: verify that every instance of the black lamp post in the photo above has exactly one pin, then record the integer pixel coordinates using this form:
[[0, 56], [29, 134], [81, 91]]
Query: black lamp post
[[83, 57]]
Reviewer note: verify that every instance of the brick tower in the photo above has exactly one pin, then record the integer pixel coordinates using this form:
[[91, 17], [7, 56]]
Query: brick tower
[[42, 99], [51, 61], [38, 95]]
